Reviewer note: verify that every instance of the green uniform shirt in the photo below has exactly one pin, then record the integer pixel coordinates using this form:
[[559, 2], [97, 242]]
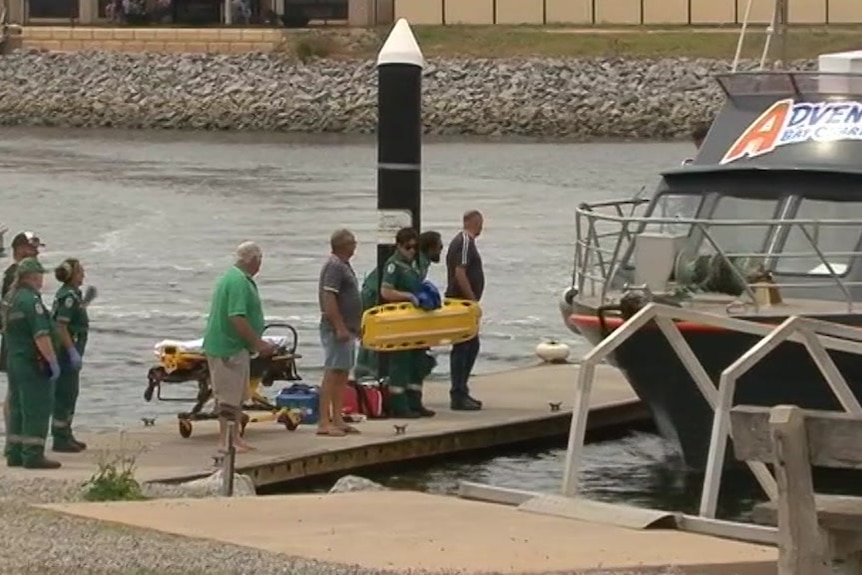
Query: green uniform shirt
[[27, 320], [69, 309], [235, 295], [401, 275], [422, 264]]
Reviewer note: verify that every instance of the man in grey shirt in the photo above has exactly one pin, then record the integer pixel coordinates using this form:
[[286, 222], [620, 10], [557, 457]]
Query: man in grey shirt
[[466, 280], [340, 321]]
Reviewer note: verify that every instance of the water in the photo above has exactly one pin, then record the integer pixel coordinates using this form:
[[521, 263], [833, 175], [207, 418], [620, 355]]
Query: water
[[155, 217]]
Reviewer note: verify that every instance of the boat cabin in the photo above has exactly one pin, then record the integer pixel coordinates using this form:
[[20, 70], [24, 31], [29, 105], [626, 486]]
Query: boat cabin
[[769, 210]]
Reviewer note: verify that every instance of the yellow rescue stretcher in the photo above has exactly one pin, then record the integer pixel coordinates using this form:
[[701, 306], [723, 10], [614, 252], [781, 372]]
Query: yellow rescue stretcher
[[403, 326], [184, 361]]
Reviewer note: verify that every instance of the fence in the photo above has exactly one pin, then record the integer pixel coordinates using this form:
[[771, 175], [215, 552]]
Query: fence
[[622, 12]]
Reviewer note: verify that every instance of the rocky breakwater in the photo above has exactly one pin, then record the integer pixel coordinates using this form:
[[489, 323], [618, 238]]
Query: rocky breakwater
[[573, 99]]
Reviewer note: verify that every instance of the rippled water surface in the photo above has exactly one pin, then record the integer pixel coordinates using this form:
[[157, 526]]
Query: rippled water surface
[[155, 217]]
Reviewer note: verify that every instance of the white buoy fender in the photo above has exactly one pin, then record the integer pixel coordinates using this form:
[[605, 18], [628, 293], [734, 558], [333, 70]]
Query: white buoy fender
[[552, 351]]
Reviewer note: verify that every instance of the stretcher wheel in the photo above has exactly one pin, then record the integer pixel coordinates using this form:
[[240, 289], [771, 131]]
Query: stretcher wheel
[[185, 428]]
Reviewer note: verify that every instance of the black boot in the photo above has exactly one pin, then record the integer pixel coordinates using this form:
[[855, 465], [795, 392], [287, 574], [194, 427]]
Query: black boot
[[42, 463], [464, 403], [425, 412], [65, 445], [80, 444]]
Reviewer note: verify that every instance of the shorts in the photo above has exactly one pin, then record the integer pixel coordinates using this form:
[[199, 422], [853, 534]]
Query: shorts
[[229, 377], [338, 355]]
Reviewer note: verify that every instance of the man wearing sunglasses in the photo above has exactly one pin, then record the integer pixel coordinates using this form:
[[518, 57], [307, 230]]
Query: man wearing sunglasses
[[400, 282]]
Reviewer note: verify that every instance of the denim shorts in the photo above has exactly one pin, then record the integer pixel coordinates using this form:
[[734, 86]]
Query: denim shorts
[[338, 355]]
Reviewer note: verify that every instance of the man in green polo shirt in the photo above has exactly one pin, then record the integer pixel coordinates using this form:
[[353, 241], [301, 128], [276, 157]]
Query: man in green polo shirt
[[234, 329]]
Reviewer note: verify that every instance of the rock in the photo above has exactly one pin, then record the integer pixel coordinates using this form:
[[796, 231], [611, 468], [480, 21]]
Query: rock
[[351, 483], [210, 486], [578, 99]]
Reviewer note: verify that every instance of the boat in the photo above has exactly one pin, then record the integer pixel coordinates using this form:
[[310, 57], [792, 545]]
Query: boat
[[764, 224]]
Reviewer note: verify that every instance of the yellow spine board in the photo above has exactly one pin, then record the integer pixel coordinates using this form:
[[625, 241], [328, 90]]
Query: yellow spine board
[[403, 326]]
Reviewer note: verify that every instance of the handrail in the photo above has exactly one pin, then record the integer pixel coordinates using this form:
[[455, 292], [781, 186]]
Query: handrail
[[816, 335], [598, 258]]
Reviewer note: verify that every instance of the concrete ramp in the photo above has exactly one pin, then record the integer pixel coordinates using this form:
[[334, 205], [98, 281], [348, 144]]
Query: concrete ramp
[[599, 512], [407, 531]]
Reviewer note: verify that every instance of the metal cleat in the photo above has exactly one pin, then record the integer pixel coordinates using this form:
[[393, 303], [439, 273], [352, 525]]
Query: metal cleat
[[148, 421], [400, 429], [555, 406]]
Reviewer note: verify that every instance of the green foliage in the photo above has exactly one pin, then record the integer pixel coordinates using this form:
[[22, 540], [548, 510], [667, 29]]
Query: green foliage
[[311, 47], [115, 479]]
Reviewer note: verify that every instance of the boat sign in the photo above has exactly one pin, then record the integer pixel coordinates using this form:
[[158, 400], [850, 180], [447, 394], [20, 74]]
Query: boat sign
[[788, 122]]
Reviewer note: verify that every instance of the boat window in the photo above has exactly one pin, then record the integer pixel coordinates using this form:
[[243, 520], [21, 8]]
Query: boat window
[[836, 242], [684, 206], [740, 239]]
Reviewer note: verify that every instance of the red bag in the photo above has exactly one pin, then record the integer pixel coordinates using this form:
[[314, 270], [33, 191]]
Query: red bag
[[364, 398]]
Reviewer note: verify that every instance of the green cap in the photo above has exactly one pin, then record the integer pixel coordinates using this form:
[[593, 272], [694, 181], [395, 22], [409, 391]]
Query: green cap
[[30, 266]]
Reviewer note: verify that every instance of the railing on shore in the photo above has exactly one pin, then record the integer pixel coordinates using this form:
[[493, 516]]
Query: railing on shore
[[816, 336], [604, 244]]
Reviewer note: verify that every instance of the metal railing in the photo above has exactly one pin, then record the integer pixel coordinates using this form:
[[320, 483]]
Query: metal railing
[[817, 336], [604, 244]]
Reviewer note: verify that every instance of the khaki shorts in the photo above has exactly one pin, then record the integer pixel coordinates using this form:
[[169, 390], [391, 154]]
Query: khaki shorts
[[229, 377]]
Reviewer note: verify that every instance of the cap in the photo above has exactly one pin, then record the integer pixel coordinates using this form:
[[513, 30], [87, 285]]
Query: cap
[[30, 266], [25, 238]]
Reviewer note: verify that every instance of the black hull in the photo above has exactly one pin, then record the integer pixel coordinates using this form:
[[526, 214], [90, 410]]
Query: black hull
[[787, 375]]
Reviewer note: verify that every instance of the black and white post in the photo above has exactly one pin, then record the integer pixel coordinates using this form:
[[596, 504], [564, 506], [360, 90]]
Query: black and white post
[[399, 144]]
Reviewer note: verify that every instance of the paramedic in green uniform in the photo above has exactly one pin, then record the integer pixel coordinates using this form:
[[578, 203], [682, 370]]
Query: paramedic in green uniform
[[430, 251], [400, 282], [24, 245], [72, 325], [32, 369]]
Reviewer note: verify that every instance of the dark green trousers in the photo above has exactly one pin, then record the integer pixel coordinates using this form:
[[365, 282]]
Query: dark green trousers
[[31, 400], [65, 399], [406, 372]]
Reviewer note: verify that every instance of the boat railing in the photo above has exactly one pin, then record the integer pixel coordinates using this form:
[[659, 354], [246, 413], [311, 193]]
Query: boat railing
[[817, 336], [605, 233]]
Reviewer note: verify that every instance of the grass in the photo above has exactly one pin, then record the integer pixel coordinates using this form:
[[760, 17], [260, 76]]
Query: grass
[[617, 41], [115, 478]]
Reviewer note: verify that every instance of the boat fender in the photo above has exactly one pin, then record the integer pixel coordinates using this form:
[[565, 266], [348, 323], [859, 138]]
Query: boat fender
[[552, 351]]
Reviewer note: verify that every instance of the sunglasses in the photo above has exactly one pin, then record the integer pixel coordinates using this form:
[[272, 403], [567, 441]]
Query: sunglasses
[[410, 247]]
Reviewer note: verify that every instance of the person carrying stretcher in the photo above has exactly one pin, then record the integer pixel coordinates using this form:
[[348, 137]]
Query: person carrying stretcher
[[430, 251], [400, 282]]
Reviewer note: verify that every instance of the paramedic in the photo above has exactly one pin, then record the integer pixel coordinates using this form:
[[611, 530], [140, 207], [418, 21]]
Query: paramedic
[[466, 280], [32, 368], [340, 319], [24, 245], [72, 324], [430, 250], [234, 328], [400, 282]]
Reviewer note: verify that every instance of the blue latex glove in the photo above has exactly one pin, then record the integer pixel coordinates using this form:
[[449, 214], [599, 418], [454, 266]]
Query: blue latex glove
[[75, 359], [55, 371], [414, 300]]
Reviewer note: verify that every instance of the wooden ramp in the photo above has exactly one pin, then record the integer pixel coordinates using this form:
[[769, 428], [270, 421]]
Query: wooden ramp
[[516, 408], [407, 531]]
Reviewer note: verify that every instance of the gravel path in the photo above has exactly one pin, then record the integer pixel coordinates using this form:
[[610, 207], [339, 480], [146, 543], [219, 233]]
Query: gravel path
[[36, 541]]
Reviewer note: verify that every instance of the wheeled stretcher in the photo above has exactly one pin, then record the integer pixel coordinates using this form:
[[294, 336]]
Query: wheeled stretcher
[[185, 361]]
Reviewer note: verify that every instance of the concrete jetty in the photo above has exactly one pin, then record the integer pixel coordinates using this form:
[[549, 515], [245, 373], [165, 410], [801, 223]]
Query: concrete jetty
[[407, 531], [516, 410]]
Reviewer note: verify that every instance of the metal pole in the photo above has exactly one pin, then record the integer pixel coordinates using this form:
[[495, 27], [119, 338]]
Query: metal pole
[[399, 145], [229, 462]]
